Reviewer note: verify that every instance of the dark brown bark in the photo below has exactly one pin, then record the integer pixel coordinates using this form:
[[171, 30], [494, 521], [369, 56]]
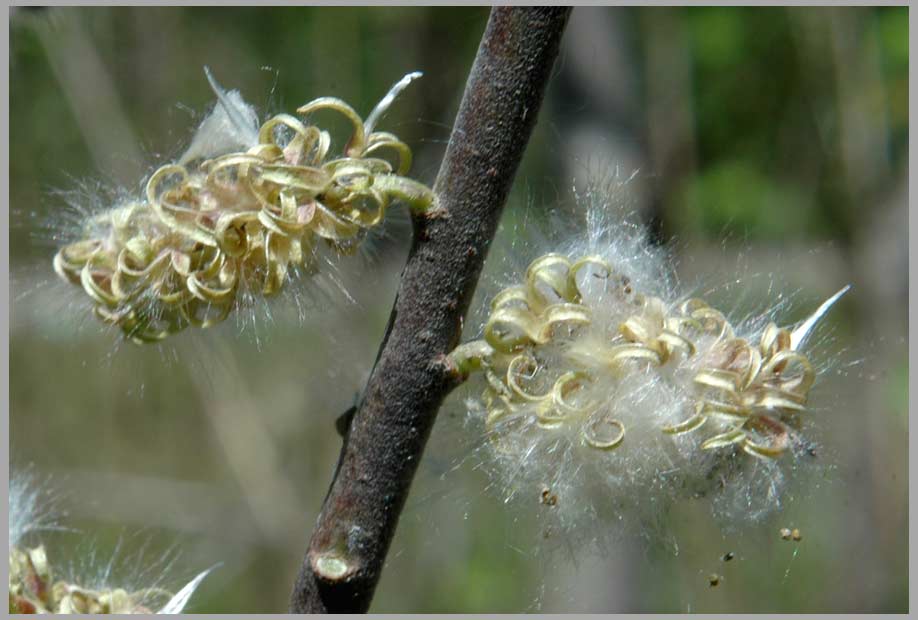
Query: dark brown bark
[[412, 376]]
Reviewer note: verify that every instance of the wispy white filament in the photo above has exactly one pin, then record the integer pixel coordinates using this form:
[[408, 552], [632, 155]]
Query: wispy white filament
[[383, 106], [803, 331], [232, 125], [178, 602]]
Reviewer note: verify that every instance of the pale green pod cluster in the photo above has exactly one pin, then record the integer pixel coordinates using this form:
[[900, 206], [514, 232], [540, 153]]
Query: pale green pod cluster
[[211, 227]]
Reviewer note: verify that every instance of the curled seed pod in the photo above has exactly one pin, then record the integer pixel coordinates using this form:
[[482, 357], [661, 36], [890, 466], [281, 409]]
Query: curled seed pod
[[617, 393], [752, 390], [241, 209]]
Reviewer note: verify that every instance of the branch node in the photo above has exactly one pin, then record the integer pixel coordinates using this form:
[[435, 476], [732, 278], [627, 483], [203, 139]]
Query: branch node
[[469, 357], [446, 365], [331, 567], [435, 213]]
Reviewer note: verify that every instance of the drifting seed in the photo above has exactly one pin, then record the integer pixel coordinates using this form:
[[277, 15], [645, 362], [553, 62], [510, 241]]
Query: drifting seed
[[549, 498], [714, 580]]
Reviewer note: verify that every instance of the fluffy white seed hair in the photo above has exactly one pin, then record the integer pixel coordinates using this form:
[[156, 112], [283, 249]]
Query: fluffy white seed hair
[[231, 126], [29, 509], [609, 391]]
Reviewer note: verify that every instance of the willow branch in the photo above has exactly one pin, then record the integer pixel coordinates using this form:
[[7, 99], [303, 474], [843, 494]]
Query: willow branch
[[386, 437]]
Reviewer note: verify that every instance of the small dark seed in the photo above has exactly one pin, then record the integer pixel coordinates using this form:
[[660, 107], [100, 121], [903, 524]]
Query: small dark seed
[[549, 498]]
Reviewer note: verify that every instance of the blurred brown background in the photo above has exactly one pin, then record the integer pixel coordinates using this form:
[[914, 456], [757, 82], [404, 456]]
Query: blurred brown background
[[768, 140]]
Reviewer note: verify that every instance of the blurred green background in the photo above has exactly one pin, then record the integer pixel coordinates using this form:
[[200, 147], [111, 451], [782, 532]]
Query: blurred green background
[[768, 140]]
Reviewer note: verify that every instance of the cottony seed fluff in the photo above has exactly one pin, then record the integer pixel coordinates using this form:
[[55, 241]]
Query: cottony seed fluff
[[620, 394]]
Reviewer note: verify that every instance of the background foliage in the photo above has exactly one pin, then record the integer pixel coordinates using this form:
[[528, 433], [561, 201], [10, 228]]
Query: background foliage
[[775, 135]]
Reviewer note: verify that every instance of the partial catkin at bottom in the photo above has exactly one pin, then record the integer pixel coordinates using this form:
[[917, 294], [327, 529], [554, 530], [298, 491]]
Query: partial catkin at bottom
[[37, 585], [34, 589]]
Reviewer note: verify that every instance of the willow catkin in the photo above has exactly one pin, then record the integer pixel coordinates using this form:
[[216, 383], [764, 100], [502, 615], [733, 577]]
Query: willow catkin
[[539, 355], [239, 211], [604, 390]]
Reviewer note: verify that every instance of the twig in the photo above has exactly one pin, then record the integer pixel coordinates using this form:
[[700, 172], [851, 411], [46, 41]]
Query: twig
[[412, 375]]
